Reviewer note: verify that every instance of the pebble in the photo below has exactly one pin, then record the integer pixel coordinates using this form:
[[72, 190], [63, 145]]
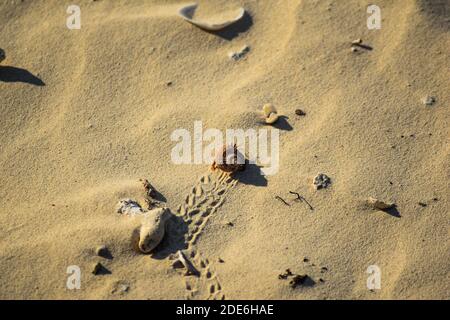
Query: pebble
[[270, 113], [378, 204], [239, 54], [300, 112], [429, 100], [272, 118], [268, 108], [120, 288], [321, 181], [2, 55]]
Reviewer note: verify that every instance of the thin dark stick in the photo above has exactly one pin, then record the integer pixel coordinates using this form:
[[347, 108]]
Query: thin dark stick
[[299, 197], [282, 200]]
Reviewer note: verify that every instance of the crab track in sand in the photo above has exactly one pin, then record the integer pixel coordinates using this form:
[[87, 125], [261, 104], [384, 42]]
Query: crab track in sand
[[205, 198]]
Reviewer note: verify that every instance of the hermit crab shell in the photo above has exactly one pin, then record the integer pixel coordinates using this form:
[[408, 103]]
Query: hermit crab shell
[[152, 229], [229, 159]]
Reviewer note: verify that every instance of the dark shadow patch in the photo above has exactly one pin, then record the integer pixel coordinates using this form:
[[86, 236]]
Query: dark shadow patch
[[393, 211], [282, 124], [252, 175], [158, 196], [363, 46], [101, 270], [13, 74], [174, 239], [301, 281], [235, 29], [105, 253]]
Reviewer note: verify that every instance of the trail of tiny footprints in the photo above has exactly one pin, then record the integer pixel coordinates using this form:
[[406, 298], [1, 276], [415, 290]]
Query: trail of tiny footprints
[[205, 198]]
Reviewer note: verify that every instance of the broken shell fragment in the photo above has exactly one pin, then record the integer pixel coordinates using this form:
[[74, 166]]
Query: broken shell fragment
[[129, 207], [380, 205], [182, 262], [152, 229], [213, 23]]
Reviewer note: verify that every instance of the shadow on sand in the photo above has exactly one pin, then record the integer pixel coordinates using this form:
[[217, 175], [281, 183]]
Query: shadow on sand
[[234, 30], [13, 74]]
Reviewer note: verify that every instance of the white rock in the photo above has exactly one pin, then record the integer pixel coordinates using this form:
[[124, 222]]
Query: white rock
[[152, 229], [129, 207]]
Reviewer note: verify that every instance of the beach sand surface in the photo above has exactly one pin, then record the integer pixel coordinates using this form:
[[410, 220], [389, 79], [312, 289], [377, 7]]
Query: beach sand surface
[[85, 114]]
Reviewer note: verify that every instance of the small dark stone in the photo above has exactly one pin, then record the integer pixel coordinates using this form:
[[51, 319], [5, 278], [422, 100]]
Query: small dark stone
[[300, 112], [422, 204]]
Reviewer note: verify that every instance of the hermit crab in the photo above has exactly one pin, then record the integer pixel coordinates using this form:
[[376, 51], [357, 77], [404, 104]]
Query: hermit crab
[[229, 159]]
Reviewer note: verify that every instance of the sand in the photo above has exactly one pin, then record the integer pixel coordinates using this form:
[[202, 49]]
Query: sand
[[85, 114]]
